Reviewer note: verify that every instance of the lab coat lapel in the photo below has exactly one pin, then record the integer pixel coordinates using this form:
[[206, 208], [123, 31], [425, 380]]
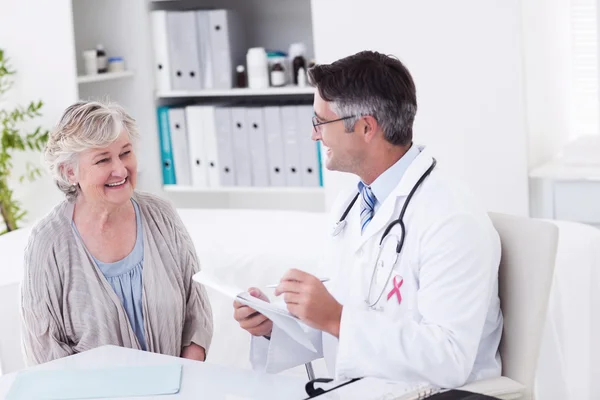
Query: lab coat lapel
[[351, 233], [391, 206]]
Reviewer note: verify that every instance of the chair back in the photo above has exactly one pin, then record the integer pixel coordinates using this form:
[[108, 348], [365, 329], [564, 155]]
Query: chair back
[[529, 249]]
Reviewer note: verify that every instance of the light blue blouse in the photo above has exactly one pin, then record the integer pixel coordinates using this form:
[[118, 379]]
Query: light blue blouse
[[125, 277]]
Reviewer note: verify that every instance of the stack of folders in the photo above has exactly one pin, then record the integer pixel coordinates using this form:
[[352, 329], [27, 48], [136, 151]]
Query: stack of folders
[[206, 146], [196, 49]]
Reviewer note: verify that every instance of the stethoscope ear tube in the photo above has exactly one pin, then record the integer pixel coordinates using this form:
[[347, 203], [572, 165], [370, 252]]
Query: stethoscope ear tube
[[400, 219], [341, 224]]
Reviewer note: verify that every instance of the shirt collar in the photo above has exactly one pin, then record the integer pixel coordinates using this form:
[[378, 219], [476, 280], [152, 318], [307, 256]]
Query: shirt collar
[[390, 178]]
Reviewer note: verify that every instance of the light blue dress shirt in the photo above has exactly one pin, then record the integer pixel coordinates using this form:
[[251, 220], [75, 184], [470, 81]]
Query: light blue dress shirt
[[390, 178], [125, 277]]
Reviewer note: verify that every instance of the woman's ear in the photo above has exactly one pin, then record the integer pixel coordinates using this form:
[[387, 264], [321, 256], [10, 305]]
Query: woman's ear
[[69, 172]]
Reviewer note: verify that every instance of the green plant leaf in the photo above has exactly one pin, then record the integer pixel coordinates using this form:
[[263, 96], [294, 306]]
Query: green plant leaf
[[14, 139]]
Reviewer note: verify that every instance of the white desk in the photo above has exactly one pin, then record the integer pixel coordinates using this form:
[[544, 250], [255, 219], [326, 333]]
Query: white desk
[[199, 380]]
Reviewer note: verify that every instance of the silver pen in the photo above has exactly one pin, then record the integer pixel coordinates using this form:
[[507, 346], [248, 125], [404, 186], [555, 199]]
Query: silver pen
[[277, 284]]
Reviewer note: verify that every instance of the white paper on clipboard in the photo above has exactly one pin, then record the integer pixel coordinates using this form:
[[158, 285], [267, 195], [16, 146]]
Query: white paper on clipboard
[[277, 313]]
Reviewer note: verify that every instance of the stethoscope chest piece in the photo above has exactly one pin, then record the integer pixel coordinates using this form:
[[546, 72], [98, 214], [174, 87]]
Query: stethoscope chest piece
[[338, 228]]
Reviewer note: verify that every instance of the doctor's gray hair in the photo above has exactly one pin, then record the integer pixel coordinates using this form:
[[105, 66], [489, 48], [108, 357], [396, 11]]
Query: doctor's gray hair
[[370, 83], [84, 125]]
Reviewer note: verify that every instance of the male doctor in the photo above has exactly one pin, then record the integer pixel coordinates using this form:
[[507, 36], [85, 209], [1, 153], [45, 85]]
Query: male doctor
[[431, 317]]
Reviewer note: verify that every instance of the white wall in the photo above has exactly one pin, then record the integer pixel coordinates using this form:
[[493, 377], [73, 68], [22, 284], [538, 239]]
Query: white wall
[[547, 63], [492, 79], [129, 38], [38, 38], [466, 59]]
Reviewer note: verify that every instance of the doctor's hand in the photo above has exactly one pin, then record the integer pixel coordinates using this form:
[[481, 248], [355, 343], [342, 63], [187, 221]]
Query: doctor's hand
[[250, 319], [308, 299]]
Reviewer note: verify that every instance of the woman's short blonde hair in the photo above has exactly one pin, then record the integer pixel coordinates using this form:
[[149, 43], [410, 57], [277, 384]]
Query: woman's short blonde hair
[[84, 125]]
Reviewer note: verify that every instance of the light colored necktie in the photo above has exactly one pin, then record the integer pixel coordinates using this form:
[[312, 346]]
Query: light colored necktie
[[367, 207]]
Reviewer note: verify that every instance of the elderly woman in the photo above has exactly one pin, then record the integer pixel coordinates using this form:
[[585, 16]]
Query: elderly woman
[[109, 265]]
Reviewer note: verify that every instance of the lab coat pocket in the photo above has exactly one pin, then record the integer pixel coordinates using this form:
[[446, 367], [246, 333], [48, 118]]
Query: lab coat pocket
[[400, 294]]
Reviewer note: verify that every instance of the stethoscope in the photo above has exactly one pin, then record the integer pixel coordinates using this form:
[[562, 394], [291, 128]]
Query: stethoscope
[[341, 224]]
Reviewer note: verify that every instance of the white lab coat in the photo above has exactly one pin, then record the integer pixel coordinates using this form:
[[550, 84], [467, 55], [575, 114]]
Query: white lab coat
[[447, 327]]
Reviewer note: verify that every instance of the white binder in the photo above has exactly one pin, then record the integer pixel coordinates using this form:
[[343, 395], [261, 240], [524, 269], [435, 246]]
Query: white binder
[[227, 167], [258, 146], [241, 144], [291, 148], [197, 148], [162, 63], [212, 147], [205, 61], [274, 140], [183, 50], [179, 142], [309, 150], [227, 44]]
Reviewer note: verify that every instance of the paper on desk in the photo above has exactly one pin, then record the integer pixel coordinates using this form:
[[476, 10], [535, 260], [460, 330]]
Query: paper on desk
[[275, 312], [67, 384]]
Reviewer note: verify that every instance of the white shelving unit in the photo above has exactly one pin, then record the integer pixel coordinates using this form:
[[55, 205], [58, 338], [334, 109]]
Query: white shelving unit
[[239, 92], [244, 190], [104, 77], [274, 25], [124, 29]]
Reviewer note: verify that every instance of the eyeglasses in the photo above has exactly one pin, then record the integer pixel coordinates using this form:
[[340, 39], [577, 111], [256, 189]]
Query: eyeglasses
[[317, 124]]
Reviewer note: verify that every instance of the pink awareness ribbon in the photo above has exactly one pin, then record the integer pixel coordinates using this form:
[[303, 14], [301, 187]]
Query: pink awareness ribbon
[[396, 289]]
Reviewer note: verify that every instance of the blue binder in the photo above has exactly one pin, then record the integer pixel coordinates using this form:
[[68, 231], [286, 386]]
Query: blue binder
[[166, 150], [320, 163]]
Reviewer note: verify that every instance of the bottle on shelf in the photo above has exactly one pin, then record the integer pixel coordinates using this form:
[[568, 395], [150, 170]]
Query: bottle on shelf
[[116, 64], [277, 75], [278, 68], [301, 78], [90, 59], [297, 55], [258, 69], [101, 59], [240, 77]]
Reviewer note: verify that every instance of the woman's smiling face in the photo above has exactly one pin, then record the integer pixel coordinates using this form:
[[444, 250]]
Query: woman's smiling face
[[108, 175]]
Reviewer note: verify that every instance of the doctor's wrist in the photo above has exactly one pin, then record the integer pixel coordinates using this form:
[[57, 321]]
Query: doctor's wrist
[[335, 322]]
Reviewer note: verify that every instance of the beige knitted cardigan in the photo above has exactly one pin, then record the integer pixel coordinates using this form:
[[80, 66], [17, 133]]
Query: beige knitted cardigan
[[69, 307]]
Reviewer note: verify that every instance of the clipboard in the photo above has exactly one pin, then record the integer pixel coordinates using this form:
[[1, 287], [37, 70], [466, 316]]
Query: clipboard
[[277, 313]]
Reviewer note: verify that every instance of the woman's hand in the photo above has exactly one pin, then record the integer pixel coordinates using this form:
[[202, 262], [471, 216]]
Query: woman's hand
[[250, 319], [194, 352]]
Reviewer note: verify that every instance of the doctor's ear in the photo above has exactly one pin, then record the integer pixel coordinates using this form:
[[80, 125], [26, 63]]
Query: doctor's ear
[[368, 126]]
